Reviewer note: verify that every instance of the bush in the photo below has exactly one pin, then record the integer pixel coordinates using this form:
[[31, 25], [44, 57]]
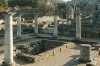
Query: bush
[[3, 3]]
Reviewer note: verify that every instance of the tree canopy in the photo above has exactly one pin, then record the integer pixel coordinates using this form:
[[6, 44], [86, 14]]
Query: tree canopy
[[3, 3], [45, 8], [61, 5], [32, 3]]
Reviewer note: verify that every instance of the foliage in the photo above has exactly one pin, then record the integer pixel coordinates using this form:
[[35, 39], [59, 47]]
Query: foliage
[[32, 3], [44, 8], [3, 5], [61, 5]]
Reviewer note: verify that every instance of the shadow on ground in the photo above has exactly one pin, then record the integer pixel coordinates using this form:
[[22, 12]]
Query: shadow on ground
[[21, 62], [71, 62]]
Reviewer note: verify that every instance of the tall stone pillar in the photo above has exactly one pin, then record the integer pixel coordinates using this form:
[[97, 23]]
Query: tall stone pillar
[[18, 25], [36, 25], [78, 23], [55, 33], [8, 40], [72, 13]]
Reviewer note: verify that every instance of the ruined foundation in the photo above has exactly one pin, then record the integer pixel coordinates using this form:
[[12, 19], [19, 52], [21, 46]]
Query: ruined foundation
[[40, 50]]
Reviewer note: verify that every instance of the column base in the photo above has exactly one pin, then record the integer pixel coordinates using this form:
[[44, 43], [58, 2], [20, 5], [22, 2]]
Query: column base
[[84, 61], [78, 38], [8, 64], [54, 37], [35, 34]]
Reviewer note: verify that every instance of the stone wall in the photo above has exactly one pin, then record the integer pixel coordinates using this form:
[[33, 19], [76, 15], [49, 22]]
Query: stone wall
[[33, 48], [87, 31], [51, 48], [51, 44], [37, 47]]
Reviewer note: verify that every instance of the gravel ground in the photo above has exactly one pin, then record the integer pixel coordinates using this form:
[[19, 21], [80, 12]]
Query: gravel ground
[[63, 59]]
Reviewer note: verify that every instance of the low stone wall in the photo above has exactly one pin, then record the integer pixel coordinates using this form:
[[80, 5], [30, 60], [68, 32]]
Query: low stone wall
[[81, 42], [29, 48], [44, 55], [66, 30]]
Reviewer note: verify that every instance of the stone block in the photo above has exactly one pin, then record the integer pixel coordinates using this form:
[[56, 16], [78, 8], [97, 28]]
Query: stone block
[[56, 51], [70, 44], [50, 52], [19, 55], [44, 55], [94, 54], [95, 62], [85, 53], [96, 46], [37, 58], [62, 48], [65, 45], [30, 49], [14, 48], [1, 60], [30, 58], [8, 64]]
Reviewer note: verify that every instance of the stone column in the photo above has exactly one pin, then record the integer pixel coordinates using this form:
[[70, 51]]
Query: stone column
[[90, 20], [74, 7], [85, 53], [8, 40], [72, 13], [18, 25], [36, 25], [91, 15], [55, 31], [78, 23]]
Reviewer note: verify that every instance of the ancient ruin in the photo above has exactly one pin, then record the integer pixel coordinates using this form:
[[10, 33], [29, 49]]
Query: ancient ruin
[[32, 37]]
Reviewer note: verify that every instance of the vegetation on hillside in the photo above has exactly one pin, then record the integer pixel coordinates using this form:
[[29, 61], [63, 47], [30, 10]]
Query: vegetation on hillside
[[45, 8], [3, 5], [32, 3], [61, 5]]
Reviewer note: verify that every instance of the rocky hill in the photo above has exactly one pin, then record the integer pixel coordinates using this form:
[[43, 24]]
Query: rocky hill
[[85, 4]]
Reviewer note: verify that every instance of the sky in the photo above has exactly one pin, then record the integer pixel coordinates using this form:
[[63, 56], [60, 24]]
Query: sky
[[66, 0]]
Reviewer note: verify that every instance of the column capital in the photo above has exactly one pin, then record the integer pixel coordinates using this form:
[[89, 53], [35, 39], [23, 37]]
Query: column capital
[[18, 15], [10, 13], [78, 6]]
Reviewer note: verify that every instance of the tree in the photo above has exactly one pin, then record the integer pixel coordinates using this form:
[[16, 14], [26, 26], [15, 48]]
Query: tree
[[61, 5], [45, 8], [32, 3], [3, 3]]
